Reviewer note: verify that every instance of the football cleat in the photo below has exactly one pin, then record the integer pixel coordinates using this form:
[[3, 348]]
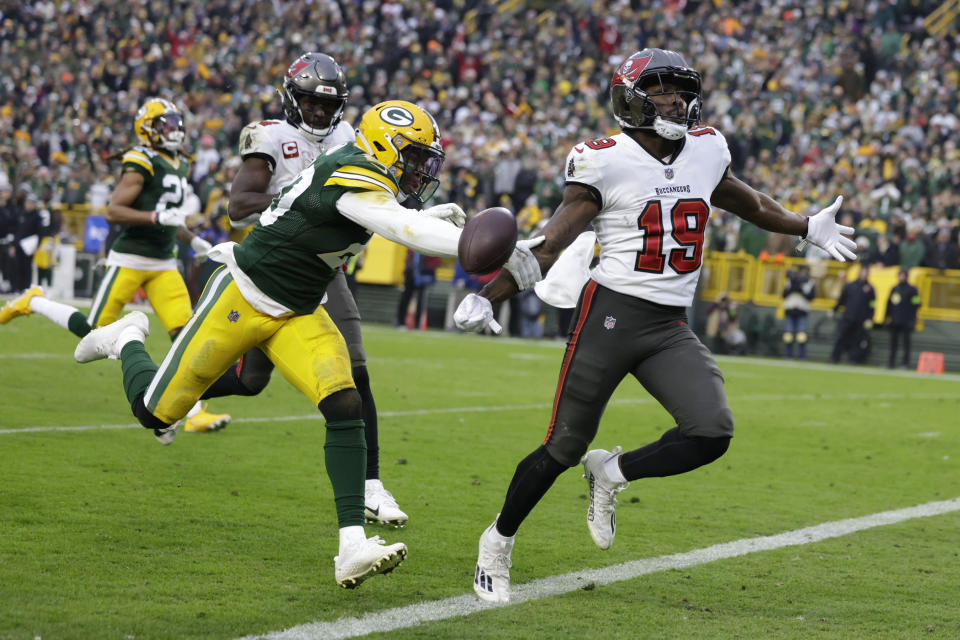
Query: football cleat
[[358, 562], [19, 306], [491, 579], [380, 507], [203, 421], [167, 435], [602, 513], [102, 342]]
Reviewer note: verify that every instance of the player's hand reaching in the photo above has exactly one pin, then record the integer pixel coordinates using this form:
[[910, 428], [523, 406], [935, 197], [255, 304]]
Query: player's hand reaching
[[451, 212], [200, 249], [823, 231], [475, 313], [523, 266]]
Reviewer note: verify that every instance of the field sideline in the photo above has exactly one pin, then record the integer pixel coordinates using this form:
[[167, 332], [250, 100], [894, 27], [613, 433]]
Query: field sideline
[[108, 535]]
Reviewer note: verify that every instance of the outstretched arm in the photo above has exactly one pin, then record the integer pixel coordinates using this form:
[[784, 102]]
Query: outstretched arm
[[821, 229], [738, 197]]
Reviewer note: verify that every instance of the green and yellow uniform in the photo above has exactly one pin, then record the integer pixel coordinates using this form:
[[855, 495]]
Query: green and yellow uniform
[[144, 255], [269, 296]]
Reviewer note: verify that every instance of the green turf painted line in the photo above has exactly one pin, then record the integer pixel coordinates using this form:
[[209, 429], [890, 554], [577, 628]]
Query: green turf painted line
[[754, 397], [458, 606]]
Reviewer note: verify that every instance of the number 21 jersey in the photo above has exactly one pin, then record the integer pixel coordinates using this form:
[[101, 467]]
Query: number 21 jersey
[[653, 214]]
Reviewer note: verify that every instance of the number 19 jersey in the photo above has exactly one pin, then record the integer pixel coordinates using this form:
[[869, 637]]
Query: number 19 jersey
[[653, 214]]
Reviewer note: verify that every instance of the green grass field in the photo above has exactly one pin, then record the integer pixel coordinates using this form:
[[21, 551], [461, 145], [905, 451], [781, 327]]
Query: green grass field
[[106, 534]]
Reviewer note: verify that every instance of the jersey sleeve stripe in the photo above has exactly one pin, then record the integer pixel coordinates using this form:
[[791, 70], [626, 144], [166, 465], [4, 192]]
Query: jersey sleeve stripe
[[363, 178], [138, 159], [368, 185], [370, 173]]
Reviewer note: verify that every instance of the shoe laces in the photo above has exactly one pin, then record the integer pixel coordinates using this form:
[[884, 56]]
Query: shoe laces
[[385, 497]]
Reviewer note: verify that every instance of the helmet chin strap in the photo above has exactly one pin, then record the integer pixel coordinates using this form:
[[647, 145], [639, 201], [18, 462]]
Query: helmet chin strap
[[669, 130], [316, 134]]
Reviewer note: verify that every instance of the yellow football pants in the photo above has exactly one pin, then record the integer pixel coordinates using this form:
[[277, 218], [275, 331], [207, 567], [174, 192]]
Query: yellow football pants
[[166, 291], [307, 350]]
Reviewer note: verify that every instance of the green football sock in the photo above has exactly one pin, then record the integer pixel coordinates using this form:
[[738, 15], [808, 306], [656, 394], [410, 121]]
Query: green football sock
[[138, 369], [77, 324], [345, 455]]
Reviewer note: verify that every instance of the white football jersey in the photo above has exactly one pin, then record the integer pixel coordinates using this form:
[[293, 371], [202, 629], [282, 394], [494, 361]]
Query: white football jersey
[[288, 149], [653, 215]]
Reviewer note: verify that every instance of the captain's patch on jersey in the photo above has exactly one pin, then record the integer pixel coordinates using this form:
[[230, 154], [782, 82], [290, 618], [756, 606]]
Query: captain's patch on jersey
[[290, 149]]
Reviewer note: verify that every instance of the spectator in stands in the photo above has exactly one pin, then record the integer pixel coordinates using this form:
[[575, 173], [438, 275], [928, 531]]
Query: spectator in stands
[[207, 160], [913, 249], [797, 294], [944, 252], [901, 317], [857, 300]]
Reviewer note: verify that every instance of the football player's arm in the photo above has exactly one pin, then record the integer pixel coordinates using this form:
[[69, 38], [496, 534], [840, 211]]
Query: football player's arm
[[738, 197], [248, 192], [119, 210], [577, 209], [380, 212]]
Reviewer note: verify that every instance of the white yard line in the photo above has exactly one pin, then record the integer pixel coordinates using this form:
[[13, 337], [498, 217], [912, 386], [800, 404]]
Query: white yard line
[[458, 606], [758, 397]]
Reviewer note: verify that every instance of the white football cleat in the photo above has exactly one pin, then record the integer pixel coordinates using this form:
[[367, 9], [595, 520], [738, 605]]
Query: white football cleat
[[602, 513], [167, 436], [491, 579], [380, 507], [102, 342], [358, 562]]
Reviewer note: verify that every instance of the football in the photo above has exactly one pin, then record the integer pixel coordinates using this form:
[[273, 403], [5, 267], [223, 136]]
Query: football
[[487, 240]]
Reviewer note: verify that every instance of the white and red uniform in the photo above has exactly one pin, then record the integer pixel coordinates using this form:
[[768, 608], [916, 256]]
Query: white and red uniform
[[631, 314]]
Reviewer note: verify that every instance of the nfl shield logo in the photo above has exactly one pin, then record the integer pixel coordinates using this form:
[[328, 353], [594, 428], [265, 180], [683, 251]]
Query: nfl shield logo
[[609, 322], [233, 316], [669, 173]]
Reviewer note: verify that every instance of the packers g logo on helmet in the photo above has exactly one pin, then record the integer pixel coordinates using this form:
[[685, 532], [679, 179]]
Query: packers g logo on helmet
[[406, 140], [158, 124]]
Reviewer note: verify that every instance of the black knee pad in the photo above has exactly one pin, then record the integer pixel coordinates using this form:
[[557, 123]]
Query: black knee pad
[[254, 371], [567, 445], [146, 418], [361, 378], [342, 405]]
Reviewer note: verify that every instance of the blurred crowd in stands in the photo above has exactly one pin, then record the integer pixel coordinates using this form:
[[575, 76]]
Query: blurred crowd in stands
[[816, 98]]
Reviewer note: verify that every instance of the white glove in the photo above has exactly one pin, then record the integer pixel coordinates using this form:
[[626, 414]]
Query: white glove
[[523, 266], [200, 249], [823, 231], [174, 217], [450, 212], [475, 313], [191, 204]]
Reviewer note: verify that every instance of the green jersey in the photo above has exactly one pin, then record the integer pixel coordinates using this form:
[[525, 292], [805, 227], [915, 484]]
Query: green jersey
[[293, 252], [164, 186]]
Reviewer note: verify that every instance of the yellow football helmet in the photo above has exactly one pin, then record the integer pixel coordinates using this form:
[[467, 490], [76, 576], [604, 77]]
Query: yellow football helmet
[[406, 139], [158, 124]]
